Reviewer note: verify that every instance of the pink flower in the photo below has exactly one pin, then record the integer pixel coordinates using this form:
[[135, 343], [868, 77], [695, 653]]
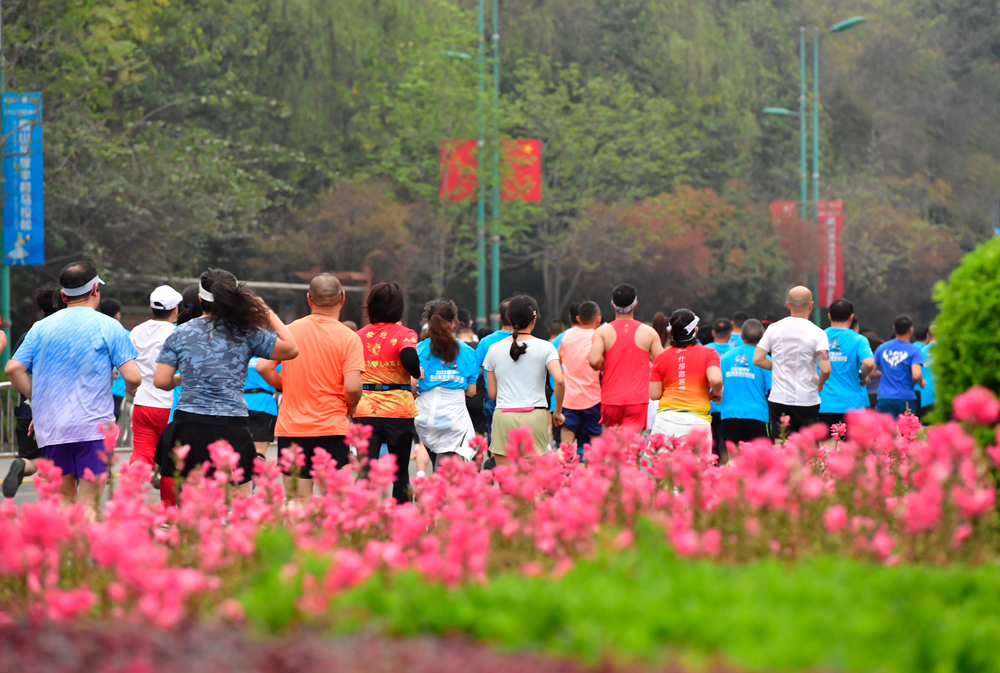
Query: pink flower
[[358, 436], [973, 502], [232, 611], [977, 405], [785, 420], [711, 542], [838, 430], [835, 518], [752, 524], [961, 534], [624, 539], [65, 605], [922, 509], [882, 544]]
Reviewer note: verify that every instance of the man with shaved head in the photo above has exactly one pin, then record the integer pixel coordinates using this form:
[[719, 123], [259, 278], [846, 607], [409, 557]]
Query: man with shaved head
[[320, 388], [796, 346]]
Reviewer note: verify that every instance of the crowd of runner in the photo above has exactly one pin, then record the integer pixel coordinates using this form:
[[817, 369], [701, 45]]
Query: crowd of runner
[[210, 364]]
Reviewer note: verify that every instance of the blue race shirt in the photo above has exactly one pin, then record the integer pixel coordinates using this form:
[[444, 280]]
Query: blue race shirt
[[70, 356], [843, 390], [481, 350], [457, 375], [894, 358], [927, 395], [745, 386], [263, 402], [552, 384], [721, 349], [735, 341], [118, 387]]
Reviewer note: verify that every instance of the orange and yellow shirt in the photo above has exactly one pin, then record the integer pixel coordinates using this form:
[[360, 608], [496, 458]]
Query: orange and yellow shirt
[[382, 344], [682, 371]]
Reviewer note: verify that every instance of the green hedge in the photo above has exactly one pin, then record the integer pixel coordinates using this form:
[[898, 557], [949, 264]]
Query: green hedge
[[646, 604], [968, 327]]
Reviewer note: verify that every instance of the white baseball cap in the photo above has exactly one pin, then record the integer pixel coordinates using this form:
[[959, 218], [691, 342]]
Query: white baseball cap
[[165, 298]]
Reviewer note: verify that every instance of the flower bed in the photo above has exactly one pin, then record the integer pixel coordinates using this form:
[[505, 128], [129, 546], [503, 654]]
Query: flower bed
[[883, 492]]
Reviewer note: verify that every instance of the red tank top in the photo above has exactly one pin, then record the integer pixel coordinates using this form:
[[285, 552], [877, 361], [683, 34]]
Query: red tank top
[[626, 368]]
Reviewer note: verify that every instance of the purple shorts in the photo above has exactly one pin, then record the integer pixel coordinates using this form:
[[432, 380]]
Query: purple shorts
[[75, 457]]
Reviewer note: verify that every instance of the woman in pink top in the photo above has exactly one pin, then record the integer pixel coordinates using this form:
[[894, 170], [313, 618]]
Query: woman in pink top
[[582, 402]]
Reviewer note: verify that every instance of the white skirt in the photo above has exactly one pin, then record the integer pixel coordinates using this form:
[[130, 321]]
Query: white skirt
[[443, 423]]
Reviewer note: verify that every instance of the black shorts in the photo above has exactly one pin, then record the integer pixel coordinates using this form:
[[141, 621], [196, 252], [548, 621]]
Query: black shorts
[[738, 430], [830, 420], [332, 444], [198, 431], [27, 447], [798, 417], [262, 426]]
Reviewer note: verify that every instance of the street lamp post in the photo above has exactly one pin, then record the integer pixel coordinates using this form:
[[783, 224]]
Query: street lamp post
[[481, 203], [495, 280], [801, 114]]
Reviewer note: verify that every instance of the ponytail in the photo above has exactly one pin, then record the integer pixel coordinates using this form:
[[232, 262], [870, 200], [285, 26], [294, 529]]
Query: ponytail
[[661, 323], [521, 312], [232, 306], [441, 315]]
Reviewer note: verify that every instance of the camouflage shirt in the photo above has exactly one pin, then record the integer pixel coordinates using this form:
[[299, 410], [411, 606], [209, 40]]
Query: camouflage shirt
[[213, 365]]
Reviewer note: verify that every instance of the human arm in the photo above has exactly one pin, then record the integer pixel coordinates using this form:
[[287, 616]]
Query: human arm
[[655, 390], [558, 388], [268, 370], [17, 374], [760, 359], [471, 390], [714, 375], [491, 384], [133, 377], [655, 347], [411, 362], [824, 367], [867, 369], [596, 357], [917, 371], [163, 376], [284, 347], [352, 390]]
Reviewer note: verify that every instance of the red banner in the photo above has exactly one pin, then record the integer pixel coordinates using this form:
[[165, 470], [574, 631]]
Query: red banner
[[522, 179], [780, 209], [458, 170], [831, 253]]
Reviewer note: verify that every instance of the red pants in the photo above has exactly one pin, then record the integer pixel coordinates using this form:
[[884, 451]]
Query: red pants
[[624, 415], [147, 426]]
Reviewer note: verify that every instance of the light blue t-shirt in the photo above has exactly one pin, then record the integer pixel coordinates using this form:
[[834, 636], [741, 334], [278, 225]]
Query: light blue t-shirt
[[118, 387], [213, 365], [70, 356], [745, 385], [552, 383], [735, 341], [843, 390], [721, 349], [927, 395], [457, 375], [895, 358], [263, 402], [481, 350]]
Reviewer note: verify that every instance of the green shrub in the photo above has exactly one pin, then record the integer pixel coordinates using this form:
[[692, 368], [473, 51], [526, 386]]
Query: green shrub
[[645, 604], [968, 327]]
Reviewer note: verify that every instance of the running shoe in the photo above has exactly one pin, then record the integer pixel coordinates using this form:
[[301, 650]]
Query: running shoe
[[14, 477]]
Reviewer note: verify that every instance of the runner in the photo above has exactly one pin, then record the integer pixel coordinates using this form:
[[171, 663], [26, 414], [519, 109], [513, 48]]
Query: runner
[[685, 378], [745, 414], [901, 364], [485, 341], [722, 332], [212, 354], [474, 404], [151, 410], [64, 368], [450, 372], [796, 347], [515, 377], [623, 349], [262, 407], [27, 448], [851, 363], [113, 309], [556, 327], [739, 318], [923, 338], [574, 318], [391, 360], [582, 400], [320, 388]]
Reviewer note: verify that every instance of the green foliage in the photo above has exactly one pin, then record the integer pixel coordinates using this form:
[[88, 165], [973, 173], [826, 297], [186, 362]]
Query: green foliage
[[645, 603], [968, 349]]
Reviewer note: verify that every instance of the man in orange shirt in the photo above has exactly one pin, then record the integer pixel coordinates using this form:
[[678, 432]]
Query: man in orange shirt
[[320, 388]]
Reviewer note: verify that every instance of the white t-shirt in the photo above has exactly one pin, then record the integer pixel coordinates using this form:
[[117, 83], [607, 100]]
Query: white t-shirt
[[148, 339], [520, 384], [794, 344]]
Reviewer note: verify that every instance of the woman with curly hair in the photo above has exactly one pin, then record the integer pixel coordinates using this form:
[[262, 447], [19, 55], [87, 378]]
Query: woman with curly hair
[[211, 354]]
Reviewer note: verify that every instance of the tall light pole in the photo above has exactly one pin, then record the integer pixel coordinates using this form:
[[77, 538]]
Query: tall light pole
[[495, 281], [481, 203]]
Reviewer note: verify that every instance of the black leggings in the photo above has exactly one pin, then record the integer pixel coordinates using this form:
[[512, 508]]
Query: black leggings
[[398, 435]]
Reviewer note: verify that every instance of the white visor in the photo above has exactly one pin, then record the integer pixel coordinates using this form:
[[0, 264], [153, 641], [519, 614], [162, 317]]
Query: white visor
[[205, 294], [83, 289]]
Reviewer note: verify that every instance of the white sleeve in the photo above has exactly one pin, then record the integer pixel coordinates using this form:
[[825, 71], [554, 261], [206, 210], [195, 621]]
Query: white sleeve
[[765, 341], [822, 341]]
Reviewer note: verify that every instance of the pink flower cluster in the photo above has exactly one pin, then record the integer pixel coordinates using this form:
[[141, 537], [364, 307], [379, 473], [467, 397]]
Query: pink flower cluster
[[878, 489]]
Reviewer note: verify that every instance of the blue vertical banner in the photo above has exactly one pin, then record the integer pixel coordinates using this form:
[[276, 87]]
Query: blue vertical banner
[[23, 189]]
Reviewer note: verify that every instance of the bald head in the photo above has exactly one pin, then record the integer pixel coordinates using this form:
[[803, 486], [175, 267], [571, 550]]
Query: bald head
[[325, 291], [800, 301]]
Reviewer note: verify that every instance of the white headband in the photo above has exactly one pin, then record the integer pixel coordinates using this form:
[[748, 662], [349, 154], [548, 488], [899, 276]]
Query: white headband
[[205, 294], [83, 289], [627, 309], [692, 326]]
